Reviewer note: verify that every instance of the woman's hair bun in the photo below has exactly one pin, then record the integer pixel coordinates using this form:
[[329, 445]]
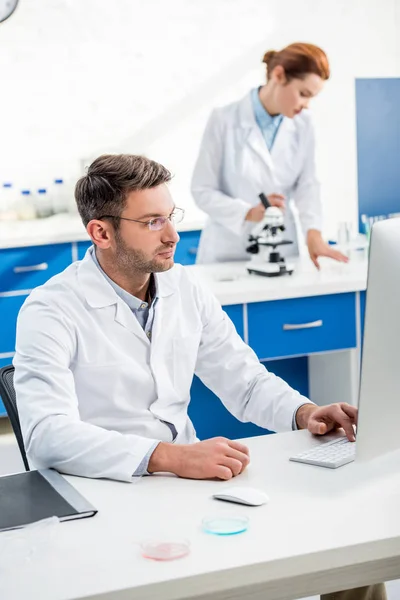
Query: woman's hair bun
[[268, 56]]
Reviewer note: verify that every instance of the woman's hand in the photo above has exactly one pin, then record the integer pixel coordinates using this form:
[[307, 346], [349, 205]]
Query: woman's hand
[[318, 247], [277, 200], [256, 214]]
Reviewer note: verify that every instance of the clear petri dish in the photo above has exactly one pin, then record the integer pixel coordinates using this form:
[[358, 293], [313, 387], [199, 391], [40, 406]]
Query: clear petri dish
[[228, 524], [164, 549], [19, 547]]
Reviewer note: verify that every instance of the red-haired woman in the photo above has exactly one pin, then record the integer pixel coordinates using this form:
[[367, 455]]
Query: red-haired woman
[[263, 144]]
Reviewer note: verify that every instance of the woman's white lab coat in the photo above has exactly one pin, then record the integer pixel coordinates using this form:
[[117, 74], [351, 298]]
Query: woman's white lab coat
[[94, 393], [234, 166]]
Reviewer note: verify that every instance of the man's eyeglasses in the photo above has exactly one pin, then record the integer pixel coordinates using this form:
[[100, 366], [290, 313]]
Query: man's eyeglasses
[[157, 223]]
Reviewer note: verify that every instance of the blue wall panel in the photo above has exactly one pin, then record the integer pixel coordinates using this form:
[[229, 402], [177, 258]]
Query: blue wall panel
[[378, 146]]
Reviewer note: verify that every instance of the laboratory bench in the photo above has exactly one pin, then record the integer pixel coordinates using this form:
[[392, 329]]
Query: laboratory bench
[[287, 551]]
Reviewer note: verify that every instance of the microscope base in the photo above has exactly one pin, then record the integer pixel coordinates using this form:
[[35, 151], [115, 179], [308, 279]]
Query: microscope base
[[270, 269]]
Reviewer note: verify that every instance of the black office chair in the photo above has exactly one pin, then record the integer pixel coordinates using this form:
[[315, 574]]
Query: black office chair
[[7, 394]]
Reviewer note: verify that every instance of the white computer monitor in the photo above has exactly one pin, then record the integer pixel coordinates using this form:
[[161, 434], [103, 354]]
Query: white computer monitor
[[379, 399]]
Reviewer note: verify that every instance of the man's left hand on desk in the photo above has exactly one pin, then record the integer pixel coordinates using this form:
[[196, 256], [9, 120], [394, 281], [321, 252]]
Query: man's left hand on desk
[[320, 420]]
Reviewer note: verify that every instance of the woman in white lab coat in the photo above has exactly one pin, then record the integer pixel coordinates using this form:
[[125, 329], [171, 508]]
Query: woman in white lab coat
[[263, 144]]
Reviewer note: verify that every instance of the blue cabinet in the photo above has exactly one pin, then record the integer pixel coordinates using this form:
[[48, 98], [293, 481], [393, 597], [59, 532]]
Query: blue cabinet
[[9, 309], [82, 248], [235, 313], [210, 417], [186, 249], [26, 268], [4, 362], [302, 326]]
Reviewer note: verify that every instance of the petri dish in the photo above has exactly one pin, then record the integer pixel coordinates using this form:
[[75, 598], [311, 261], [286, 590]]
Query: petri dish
[[27, 544], [168, 549], [228, 524]]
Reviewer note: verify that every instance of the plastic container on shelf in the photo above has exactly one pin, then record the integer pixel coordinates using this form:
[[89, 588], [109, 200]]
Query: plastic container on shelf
[[70, 196], [59, 200], [8, 203], [43, 203], [26, 208]]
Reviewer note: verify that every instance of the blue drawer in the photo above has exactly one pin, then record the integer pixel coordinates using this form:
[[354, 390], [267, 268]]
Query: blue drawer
[[82, 247], [4, 362], [9, 309], [186, 250], [26, 268], [302, 326], [235, 313]]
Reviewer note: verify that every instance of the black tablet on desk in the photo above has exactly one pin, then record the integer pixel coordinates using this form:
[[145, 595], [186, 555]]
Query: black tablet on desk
[[34, 495]]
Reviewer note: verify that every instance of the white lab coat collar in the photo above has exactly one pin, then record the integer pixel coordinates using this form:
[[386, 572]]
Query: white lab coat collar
[[99, 293], [253, 135], [247, 119]]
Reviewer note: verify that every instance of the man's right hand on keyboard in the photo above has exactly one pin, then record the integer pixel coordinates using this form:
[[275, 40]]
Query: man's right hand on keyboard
[[320, 420]]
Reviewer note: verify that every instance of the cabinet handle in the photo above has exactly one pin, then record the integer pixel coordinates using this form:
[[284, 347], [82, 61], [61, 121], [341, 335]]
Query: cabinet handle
[[192, 251], [311, 325], [28, 269]]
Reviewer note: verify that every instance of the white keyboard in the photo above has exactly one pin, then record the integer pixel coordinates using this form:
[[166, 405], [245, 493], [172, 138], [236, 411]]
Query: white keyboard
[[330, 454]]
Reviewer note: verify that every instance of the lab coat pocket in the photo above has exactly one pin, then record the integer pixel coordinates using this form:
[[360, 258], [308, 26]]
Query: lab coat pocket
[[184, 356]]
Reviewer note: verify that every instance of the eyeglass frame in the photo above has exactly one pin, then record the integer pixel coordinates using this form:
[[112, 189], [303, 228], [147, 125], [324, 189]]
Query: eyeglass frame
[[169, 218]]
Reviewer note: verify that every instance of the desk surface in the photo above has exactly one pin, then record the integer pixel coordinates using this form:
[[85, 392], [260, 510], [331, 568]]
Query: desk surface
[[322, 529], [232, 284]]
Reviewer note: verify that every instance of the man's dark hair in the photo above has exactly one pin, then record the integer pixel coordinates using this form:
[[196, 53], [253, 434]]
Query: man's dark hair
[[110, 178]]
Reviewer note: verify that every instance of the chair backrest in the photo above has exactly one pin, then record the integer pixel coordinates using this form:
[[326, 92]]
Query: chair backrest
[[7, 393]]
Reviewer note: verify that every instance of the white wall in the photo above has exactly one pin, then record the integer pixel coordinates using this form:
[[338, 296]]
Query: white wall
[[80, 78]]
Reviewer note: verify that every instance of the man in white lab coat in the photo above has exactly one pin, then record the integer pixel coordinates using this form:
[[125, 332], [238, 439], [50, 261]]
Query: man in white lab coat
[[107, 349]]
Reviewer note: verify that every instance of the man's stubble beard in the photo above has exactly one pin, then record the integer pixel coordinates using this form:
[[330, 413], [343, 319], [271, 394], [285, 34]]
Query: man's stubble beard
[[130, 261]]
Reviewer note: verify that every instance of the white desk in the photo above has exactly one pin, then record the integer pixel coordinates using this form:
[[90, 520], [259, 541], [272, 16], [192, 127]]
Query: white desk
[[322, 530], [232, 284]]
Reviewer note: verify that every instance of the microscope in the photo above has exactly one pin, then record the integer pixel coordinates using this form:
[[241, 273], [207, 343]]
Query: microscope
[[265, 239]]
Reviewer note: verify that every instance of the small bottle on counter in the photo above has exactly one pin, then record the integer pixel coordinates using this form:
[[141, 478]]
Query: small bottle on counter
[[44, 205], [8, 208], [59, 203], [26, 208]]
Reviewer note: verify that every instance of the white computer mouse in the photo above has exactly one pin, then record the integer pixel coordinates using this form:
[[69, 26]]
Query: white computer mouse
[[242, 495]]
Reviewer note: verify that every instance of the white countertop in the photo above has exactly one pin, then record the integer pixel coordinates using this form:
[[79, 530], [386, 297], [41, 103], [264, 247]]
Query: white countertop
[[321, 528], [59, 229], [232, 284]]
